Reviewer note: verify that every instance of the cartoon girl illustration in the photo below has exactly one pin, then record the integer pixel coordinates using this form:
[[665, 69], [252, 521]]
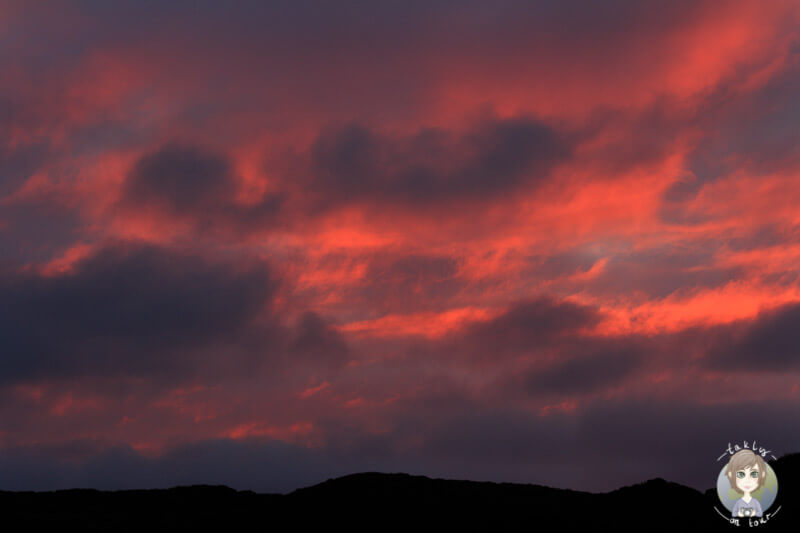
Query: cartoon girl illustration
[[747, 472]]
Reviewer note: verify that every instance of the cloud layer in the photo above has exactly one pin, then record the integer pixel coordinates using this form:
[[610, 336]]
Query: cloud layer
[[268, 243]]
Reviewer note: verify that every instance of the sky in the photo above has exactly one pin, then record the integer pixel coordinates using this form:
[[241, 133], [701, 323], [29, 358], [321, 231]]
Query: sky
[[263, 244]]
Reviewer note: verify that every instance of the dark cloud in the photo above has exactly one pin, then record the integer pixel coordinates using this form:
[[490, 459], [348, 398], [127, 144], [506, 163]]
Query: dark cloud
[[676, 200], [600, 363], [637, 140], [124, 310], [180, 179], [755, 131], [526, 327], [355, 164], [682, 190], [141, 310], [193, 183], [18, 164], [767, 343], [19, 158], [313, 341], [36, 231]]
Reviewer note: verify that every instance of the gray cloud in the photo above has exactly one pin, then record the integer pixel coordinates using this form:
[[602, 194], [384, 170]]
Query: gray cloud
[[195, 184], [527, 326], [768, 343], [135, 309], [355, 164], [599, 364]]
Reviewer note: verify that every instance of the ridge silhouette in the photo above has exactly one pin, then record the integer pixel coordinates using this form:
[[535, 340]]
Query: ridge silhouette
[[374, 501]]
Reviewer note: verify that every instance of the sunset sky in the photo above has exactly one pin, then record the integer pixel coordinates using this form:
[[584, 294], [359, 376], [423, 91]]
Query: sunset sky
[[263, 244]]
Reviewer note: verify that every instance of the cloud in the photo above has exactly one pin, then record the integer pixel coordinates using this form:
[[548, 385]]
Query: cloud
[[754, 131], [180, 179], [416, 187], [193, 184], [354, 164], [398, 283], [19, 163], [313, 341], [141, 310], [663, 270], [528, 326], [32, 232], [431, 170], [767, 343], [596, 365]]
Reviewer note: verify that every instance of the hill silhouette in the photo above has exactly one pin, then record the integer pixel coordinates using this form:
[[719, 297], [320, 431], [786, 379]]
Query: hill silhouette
[[374, 501]]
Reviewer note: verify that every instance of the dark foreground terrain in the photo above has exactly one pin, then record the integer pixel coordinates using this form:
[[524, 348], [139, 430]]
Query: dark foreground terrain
[[391, 502]]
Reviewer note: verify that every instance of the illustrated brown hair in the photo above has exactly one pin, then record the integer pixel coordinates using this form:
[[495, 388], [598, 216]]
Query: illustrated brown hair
[[741, 460]]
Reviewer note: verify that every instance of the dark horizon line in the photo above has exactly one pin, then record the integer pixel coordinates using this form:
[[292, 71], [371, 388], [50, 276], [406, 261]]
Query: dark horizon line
[[657, 479]]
